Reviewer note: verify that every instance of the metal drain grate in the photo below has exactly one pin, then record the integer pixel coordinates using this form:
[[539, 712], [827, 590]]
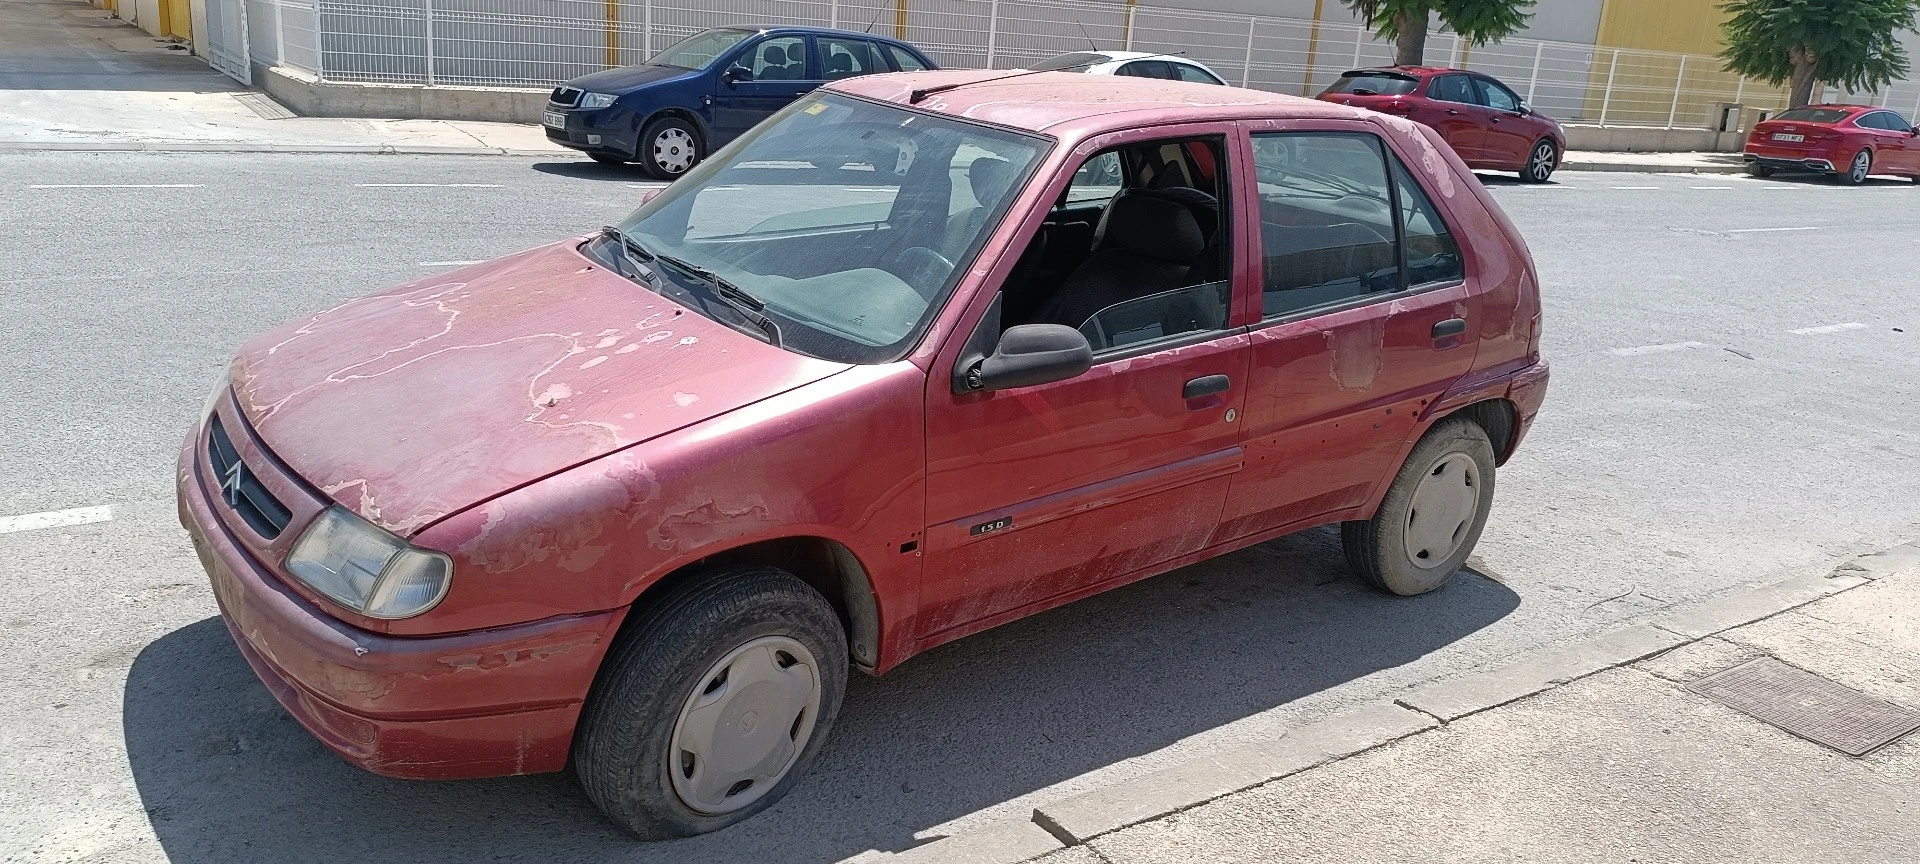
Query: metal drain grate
[[1809, 706], [264, 105]]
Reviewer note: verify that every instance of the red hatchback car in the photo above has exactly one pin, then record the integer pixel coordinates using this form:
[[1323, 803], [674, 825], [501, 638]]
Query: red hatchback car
[[919, 355], [1484, 121], [1846, 142]]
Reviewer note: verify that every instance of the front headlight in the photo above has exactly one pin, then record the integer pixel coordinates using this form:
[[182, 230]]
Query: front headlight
[[367, 569], [597, 100]]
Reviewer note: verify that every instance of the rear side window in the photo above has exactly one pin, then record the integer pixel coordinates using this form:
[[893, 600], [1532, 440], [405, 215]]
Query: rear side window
[[1454, 88], [845, 58], [905, 59], [1330, 227], [1194, 74], [1374, 84], [1813, 115]]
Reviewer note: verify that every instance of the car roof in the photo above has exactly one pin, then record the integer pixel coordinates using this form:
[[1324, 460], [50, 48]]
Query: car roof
[[817, 31], [1041, 101], [1414, 71]]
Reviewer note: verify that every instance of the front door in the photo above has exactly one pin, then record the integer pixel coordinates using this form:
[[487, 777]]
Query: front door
[[1510, 132], [1458, 115], [1366, 312], [777, 70], [1036, 493]]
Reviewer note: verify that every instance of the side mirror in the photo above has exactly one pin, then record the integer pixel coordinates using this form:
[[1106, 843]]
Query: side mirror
[[736, 74], [1525, 108], [1033, 354]]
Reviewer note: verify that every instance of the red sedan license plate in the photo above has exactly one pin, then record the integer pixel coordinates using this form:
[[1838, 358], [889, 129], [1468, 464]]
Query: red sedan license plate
[[1782, 136]]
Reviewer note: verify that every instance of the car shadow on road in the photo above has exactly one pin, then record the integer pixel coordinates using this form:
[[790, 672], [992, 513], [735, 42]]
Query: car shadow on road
[[586, 169], [227, 776]]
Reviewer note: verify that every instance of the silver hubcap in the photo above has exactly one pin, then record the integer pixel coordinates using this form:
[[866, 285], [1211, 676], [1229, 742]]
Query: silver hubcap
[[1860, 165], [1542, 161], [745, 725], [673, 150], [1444, 505]]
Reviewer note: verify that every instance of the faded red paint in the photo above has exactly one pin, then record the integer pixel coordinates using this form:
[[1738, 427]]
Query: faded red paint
[[569, 438]]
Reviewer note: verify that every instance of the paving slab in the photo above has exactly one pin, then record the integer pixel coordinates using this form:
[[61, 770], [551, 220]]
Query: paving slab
[[1452, 698]]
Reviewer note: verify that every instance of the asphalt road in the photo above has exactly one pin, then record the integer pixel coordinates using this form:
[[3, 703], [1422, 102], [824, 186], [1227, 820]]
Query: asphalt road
[[1733, 402]]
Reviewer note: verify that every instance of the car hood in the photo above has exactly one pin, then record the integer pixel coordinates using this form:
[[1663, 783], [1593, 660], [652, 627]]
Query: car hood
[[413, 404], [626, 78]]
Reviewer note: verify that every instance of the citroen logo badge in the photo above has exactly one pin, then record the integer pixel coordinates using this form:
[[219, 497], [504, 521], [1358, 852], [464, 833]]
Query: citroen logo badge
[[230, 484]]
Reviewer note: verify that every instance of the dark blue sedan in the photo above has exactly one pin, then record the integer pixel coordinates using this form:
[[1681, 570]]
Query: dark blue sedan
[[694, 97]]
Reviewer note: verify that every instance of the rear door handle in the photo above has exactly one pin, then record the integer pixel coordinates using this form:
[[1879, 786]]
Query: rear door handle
[[1206, 386], [1449, 327]]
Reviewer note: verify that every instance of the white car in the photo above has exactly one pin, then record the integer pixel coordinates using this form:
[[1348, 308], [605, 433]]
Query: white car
[[1138, 64]]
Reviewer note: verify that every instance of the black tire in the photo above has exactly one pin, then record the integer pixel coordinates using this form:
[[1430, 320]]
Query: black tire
[[1854, 174], [660, 148], [1542, 161], [1758, 170], [608, 158], [624, 737], [1377, 548]]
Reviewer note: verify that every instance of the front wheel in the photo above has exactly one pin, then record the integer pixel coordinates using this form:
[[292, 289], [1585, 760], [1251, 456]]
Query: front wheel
[[1857, 172], [1431, 516], [669, 146], [712, 702], [1541, 162]]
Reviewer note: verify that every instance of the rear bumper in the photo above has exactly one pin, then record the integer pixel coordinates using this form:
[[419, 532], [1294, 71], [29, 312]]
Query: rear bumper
[[481, 704], [1527, 391], [1789, 163]]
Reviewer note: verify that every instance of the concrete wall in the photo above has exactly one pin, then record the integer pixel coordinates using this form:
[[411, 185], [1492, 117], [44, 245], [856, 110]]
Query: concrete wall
[[311, 97], [1630, 139]]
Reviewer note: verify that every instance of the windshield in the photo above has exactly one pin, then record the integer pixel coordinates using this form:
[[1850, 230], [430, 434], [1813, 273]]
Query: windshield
[[1814, 115], [849, 220], [1374, 83], [698, 50]]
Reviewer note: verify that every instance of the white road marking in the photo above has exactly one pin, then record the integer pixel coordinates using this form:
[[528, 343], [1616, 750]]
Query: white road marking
[[429, 185], [1655, 349], [1766, 230], [1830, 328], [114, 186], [448, 263], [54, 519], [1709, 187], [1637, 187]]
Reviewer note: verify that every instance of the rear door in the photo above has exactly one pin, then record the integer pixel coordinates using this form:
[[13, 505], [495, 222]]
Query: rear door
[[1365, 307], [1510, 132], [847, 57], [1457, 113], [1893, 142], [780, 70]]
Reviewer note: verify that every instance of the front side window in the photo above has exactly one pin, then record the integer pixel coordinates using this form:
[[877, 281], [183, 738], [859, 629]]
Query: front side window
[[700, 49], [1494, 96], [1454, 88], [839, 216], [845, 58], [1097, 180], [905, 59], [778, 58]]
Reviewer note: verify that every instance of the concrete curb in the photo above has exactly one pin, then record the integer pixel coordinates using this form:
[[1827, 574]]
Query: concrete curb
[[1649, 168], [1077, 819], [244, 147]]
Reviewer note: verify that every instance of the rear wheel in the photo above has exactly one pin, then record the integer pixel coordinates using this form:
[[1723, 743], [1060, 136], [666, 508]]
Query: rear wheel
[[1541, 162], [1858, 170], [712, 703], [1431, 516], [669, 146], [1759, 170]]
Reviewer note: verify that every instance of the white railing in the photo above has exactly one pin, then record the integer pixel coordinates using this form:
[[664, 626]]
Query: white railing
[[538, 43]]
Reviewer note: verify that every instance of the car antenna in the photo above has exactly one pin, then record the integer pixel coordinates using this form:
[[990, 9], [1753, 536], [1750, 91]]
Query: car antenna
[[914, 97], [876, 20], [1091, 45]]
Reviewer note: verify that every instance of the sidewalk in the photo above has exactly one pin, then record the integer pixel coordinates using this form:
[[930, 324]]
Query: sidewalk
[[74, 79], [1595, 752], [1657, 163]]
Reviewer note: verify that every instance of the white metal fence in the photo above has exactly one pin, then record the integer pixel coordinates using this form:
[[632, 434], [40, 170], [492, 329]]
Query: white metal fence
[[538, 43]]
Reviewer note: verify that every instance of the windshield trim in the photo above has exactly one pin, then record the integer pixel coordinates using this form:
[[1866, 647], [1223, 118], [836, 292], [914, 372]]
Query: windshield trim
[[1045, 147]]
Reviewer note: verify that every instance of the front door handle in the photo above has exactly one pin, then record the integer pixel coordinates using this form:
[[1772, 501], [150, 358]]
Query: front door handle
[[1200, 388], [1452, 113], [1448, 328]]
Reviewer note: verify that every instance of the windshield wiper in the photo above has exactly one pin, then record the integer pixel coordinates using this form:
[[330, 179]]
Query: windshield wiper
[[635, 254], [737, 298]]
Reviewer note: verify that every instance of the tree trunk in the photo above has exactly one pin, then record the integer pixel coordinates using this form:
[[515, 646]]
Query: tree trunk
[[1802, 90], [1410, 47]]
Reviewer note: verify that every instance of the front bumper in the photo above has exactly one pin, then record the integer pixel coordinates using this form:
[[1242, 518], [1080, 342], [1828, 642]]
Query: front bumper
[[480, 704], [606, 130]]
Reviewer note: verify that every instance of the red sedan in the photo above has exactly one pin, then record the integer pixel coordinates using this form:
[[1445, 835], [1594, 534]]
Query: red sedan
[[917, 356], [1484, 121], [1846, 142]]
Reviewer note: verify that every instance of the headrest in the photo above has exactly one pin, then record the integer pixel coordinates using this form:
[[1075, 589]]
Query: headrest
[[1154, 227], [774, 55], [989, 176], [840, 62]]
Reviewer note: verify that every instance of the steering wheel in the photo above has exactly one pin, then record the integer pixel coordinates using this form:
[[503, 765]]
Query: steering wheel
[[922, 267]]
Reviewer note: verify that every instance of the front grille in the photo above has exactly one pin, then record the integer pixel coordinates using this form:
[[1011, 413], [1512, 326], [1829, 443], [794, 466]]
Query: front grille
[[241, 490], [565, 95]]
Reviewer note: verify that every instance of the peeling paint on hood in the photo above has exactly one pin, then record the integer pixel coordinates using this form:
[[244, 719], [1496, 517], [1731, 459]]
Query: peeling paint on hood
[[416, 403]]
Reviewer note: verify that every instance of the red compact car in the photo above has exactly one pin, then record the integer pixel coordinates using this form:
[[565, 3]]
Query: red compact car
[[919, 355], [1846, 142], [1484, 121]]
